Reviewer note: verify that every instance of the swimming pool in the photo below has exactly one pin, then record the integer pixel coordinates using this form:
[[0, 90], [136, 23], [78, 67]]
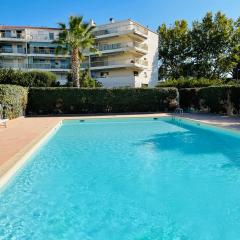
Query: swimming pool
[[140, 179]]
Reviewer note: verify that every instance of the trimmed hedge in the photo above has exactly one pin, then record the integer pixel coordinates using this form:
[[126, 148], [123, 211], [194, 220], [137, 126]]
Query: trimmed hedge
[[28, 79], [222, 99], [194, 82], [76, 101], [13, 101]]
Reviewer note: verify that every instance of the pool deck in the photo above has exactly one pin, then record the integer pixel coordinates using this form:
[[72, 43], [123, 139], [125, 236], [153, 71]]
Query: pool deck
[[24, 134]]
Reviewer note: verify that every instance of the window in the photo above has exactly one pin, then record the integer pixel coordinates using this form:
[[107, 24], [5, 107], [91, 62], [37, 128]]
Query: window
[[104, 74], [135, 73], [51, 36], [20, 49], [8, 34], [19, 33]]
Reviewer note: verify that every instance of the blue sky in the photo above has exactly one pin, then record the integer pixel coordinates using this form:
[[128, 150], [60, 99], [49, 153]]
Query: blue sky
[[148, 12]]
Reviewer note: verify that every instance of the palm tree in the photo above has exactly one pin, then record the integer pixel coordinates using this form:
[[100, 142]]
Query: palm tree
[[75, 39]]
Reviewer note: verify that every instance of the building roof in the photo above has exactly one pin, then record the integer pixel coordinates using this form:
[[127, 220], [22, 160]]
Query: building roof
[[24, 27], [49, 28]]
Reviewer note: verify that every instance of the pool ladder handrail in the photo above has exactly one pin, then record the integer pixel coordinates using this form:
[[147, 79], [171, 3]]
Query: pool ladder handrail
[[178, 111]]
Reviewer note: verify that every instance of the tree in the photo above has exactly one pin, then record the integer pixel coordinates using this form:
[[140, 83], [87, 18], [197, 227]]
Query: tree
[[236, 51], [212, 41], [76, 38], [209, 49], [174, 49]]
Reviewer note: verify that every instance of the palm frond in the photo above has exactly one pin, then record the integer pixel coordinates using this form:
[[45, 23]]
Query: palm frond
[[61, 50], [75, 23], [88, 28], [62, 26], [95, 51]]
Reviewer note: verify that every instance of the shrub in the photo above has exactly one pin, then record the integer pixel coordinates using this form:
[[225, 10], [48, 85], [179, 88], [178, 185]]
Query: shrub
[[10, 76], [28, 79], [192, 82], [188, 98], [235, 99], [13, 100], [76, 101], [222, 99], [40, 79]]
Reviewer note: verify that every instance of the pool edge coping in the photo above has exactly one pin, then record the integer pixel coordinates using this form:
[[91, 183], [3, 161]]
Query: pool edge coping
[[9, 169]]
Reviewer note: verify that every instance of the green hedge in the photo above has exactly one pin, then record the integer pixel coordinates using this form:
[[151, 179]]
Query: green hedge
[[76, 101], [13, 100], [28, 79], [222, 99], [195, 83]]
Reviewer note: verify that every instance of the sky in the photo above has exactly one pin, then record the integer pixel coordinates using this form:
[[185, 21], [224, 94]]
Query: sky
[[151, 13]]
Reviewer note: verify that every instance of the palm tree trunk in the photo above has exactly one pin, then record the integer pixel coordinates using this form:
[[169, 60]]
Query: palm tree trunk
[[75, 68]]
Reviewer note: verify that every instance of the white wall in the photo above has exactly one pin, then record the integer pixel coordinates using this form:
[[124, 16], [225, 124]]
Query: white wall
[[152, 57], [111, 82]]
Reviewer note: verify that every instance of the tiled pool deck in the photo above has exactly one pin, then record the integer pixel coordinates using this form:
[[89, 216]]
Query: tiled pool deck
[[23, 134]]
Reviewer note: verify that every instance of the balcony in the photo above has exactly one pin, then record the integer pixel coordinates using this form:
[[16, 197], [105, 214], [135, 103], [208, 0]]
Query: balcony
[[12, 37], [39, 66], [134, 47], [12, 51], [42, 51], [6, 50], [108, 64], [41, 37], [49, 66], [13, 65], [122, 30], [46, 52], [126, 45]]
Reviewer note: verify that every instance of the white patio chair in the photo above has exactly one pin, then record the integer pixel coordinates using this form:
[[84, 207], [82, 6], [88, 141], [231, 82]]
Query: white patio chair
[[3, 122]]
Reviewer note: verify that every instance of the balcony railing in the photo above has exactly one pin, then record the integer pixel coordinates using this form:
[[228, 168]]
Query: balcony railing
[[84, 65], [34, 66], [133, 62], [13, 65], [42, 51], [6, 50], [123, 28], [48, 66], [41, 37], [114, 46], [13, 36], [11, 50]]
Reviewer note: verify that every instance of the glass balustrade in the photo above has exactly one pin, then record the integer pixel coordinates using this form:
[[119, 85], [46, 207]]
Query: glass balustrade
[[105, 62], [119, 29], [34, 66], [11, 35], [12, 50], [114, 46]]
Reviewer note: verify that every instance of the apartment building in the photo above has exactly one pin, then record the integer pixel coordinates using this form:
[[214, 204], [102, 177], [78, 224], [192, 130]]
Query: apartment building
[[128, 53]]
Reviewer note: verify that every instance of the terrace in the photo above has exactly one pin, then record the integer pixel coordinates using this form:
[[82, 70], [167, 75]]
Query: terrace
[[9, 35], [132, 30], [134, 47], [108, 64]]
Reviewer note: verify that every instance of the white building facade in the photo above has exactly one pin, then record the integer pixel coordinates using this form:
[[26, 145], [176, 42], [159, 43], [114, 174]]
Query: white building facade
[[128, 53]]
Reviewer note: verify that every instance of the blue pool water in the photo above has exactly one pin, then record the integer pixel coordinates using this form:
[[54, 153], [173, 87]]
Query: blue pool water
[[139, 179]]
